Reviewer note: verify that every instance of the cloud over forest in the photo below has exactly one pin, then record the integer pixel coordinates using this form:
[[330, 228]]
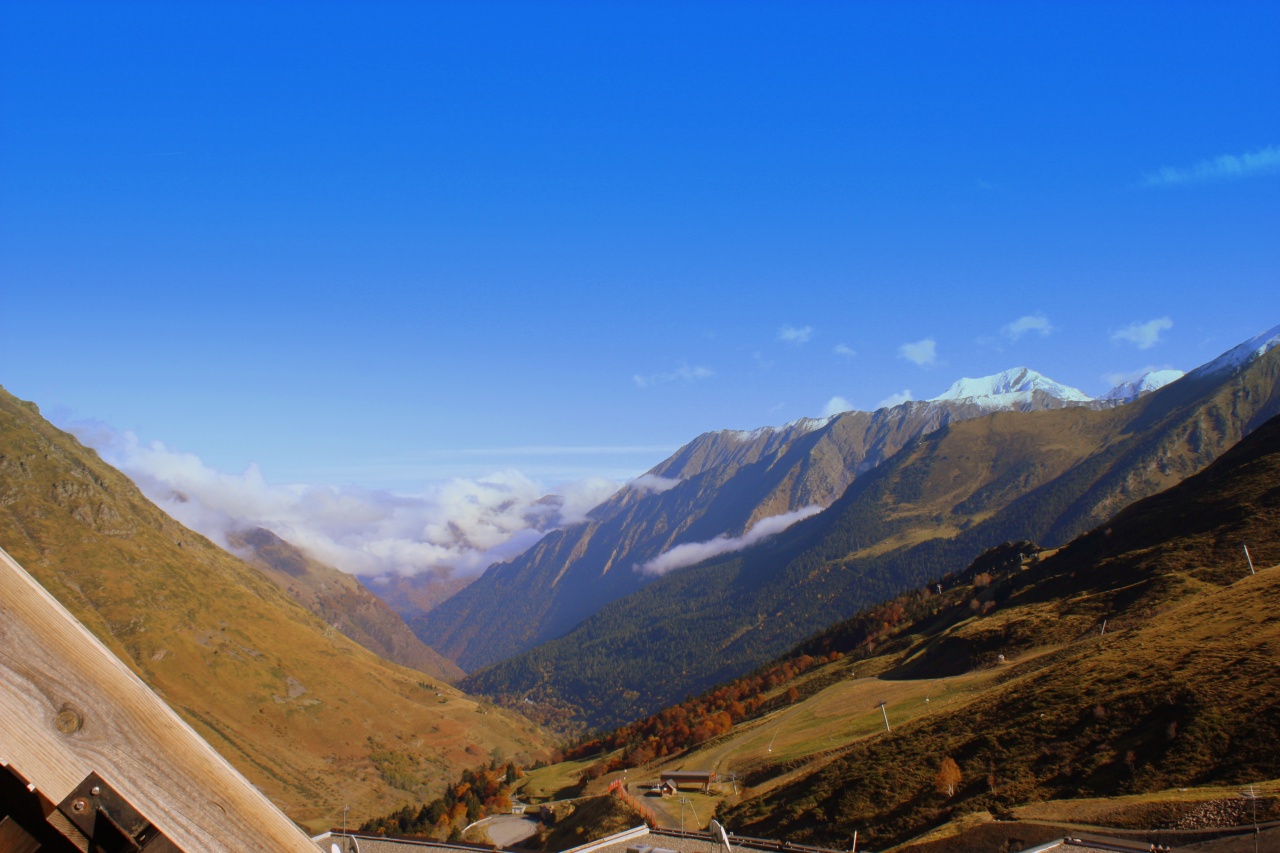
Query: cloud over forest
[[695, 552]]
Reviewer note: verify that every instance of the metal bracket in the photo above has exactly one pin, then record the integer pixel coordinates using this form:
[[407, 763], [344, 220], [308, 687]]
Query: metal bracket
[[108, 822]]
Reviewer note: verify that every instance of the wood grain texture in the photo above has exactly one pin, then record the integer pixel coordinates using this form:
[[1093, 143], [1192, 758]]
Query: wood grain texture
[[68, 707]]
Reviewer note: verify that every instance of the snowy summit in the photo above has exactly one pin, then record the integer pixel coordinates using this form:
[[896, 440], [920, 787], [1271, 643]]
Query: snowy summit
[[1127, 392], [1237, 357], [1010, 387]]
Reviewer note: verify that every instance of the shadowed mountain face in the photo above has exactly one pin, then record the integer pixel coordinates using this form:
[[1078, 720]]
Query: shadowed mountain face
[[310, 717], [721, 483], [931, 508], [1182, 690], [341, 601]]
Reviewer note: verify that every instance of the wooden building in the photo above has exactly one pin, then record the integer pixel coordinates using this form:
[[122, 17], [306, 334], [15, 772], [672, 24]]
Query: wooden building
[[676, 778]]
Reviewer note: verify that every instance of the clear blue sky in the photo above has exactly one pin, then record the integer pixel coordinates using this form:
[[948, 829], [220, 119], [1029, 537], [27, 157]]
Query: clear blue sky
[[378, 243]]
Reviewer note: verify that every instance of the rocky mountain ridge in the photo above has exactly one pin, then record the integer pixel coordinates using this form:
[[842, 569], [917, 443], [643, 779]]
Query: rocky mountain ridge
[[719, 484], [946, 495]]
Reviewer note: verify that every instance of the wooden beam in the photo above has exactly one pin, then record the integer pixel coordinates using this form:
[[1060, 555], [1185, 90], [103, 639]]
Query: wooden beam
[[69, 707]]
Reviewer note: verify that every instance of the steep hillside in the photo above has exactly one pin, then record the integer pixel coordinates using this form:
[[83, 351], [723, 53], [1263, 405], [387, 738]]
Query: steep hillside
[[341, 601], [1181, 690], [1042, 476], [1005, 670], [309, 716], [719, 484]]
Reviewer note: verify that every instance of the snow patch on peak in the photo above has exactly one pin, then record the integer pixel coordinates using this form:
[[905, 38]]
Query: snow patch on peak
[[800, 426], [1128, 391], [1239, 356], [1009, 387]]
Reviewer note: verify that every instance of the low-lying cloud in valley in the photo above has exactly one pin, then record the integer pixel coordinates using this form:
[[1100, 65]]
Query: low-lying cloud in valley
[[461, 525], [654, 483], [695, 552]]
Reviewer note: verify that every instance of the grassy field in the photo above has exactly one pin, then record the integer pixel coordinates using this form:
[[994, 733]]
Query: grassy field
[[555, 782]]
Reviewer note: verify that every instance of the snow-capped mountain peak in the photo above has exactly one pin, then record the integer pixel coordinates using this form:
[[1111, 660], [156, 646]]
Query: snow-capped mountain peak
[[1128, 391], [1237, 357], [1008, 387]]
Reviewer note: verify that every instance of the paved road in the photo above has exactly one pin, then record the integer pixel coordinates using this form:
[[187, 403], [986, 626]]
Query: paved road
[[507, 829]]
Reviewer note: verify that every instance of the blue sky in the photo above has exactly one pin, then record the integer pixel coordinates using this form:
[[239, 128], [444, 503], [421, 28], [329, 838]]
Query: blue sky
[[382, 244]]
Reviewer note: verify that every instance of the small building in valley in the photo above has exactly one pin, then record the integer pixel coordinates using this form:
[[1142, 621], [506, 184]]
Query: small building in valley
[[676, 778]]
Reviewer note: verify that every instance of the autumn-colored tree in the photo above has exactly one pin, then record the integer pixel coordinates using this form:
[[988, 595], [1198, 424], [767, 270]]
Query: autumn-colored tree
[[948, 777]]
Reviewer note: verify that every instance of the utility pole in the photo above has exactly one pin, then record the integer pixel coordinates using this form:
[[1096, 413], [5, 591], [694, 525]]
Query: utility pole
[[346, 842], [1250, 559], [1253, 799], [886, 716]]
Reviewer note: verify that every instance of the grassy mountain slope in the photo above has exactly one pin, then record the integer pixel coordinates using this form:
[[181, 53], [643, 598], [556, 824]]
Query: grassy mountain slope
[[312, 718], [720, 483], [341, 601], [1175, 707], [1181, 691], [1043, 476]]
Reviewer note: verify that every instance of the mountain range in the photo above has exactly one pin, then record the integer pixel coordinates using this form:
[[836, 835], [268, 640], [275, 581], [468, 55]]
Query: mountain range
[[929, 487], [1125, 681], [1138, 659], [719, 485]]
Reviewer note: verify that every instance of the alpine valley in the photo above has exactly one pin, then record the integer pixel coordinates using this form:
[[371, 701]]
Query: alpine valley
[[751, 589], [613, 626]]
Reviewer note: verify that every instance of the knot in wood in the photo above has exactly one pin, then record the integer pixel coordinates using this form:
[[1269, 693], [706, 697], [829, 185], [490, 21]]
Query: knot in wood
[[69, 720]]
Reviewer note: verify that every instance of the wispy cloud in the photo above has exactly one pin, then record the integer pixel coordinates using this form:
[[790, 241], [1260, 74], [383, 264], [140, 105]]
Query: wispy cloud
[[844, 350], [695, 552], [684, 373], [1037, 322], [1142, 335], [793, 335], [1121, 376], [903, 396], [560, 450], [654, 483], [835, 406], [460, 525], [1265, 161], [923, 353]]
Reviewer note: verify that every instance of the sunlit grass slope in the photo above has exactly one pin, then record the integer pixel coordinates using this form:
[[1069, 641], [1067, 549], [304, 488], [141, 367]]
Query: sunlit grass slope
[[1182, 690], [313, 719]]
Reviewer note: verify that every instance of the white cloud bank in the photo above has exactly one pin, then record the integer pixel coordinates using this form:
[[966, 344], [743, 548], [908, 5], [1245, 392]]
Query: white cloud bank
[[1038, 323], [654, 483], [923, 353], [695, 552], [1265, 161], [455, 526], [1142, 335]]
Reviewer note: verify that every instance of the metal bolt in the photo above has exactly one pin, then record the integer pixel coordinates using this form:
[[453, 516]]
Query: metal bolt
[[77, 805], [95, 790]]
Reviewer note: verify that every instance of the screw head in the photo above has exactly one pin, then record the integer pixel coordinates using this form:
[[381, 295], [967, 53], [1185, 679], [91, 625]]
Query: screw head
[[95, 790], [78, 805]]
